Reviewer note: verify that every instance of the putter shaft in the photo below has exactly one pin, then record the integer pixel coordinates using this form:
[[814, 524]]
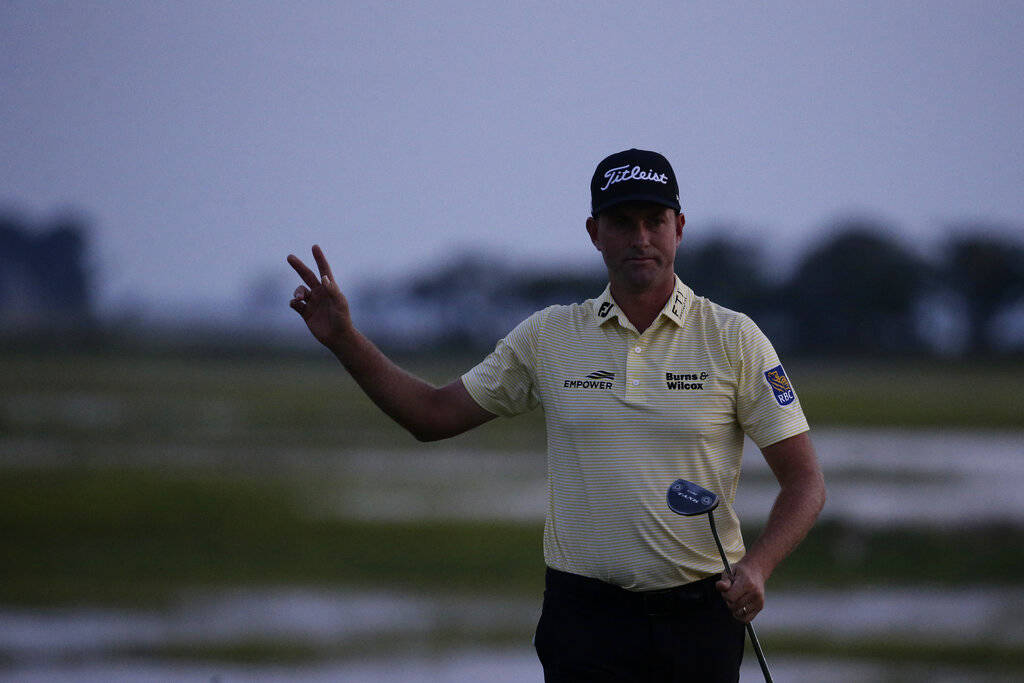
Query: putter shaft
[[750, 627]]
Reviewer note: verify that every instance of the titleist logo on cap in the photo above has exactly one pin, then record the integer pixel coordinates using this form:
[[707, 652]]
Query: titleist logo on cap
[[635, 175], [622, 173]]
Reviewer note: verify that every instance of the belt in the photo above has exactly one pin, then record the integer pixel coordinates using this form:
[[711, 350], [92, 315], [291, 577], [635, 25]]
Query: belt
[[651, 603]]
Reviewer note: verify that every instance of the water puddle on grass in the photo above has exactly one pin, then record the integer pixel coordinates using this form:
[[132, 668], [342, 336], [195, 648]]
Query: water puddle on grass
[[924, 478], [874, 477], [880, 477], [316, 618], [471, 666], [384, 636]]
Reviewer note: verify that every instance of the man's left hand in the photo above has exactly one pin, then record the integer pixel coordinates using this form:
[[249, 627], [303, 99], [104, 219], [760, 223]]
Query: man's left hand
[[744, 593]]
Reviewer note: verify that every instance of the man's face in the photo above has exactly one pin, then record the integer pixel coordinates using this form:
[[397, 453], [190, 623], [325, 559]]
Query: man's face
[[638, 241]]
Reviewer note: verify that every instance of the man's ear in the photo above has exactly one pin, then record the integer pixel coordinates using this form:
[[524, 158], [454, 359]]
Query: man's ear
[[592, 231], [680, 222]]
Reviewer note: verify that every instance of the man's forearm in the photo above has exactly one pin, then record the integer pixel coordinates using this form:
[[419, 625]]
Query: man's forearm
[[426, 411], [797, 506], [791, 518]]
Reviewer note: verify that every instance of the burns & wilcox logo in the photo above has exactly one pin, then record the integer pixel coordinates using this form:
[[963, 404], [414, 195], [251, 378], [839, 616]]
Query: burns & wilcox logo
[[685, 381], [602, 379], [780, 386]]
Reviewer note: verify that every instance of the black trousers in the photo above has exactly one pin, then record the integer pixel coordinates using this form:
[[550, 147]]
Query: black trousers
[[593, 631]]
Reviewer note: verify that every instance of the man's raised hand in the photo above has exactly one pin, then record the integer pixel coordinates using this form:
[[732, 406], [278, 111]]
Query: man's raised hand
[[320, 302]]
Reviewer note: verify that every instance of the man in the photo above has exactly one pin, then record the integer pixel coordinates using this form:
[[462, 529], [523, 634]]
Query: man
[[643, 385]]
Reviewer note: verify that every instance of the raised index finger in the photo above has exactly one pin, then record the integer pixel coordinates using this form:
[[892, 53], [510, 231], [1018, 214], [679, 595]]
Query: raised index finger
[[321, 262], [307, 275]]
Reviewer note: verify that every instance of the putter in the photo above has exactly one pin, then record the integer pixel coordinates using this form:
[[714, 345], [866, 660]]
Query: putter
[[689, 500]]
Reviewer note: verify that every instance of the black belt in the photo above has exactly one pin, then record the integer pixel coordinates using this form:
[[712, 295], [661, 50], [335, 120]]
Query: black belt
[[651, 603]]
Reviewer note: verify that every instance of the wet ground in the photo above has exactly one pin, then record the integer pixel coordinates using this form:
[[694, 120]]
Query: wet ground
[[73, 644], [875, 478]]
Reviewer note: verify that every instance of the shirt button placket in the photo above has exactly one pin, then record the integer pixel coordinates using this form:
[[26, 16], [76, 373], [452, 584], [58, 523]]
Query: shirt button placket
[[632, 381]]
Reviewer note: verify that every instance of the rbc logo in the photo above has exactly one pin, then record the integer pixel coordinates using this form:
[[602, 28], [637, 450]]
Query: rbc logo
[[780, 386]]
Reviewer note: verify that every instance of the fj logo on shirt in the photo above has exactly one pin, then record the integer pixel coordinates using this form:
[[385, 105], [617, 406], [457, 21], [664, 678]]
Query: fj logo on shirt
[[677, 304], [779, 383], [685, 381], [602, 379], [606, 308]]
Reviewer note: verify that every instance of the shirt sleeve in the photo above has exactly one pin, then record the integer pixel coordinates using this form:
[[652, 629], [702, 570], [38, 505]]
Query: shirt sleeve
[[504, 382], [767, 406]]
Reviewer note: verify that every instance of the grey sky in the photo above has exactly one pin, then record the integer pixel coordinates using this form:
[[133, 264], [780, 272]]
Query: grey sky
[[205, 141]]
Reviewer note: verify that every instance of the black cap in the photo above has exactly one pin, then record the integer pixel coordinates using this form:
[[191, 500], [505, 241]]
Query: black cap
[[635, 175]]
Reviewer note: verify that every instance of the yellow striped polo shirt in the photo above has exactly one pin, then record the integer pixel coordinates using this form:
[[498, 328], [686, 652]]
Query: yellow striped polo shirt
[[627, 414]]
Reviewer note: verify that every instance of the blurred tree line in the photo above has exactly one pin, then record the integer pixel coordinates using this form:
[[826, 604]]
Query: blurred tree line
[[859, 291], [44, 278]]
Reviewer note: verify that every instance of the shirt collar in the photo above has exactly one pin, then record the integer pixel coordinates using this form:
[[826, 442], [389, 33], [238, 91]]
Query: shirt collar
[[606, 309]]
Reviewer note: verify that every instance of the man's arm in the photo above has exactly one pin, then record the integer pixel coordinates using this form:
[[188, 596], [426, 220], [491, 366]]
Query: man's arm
[[427, 412], [800, 500]]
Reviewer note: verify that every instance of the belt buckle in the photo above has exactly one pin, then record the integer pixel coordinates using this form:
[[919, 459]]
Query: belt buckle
[[673, 600], [658, 603]]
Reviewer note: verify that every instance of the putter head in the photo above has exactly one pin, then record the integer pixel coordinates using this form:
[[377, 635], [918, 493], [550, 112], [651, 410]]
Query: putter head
[[687, 499]]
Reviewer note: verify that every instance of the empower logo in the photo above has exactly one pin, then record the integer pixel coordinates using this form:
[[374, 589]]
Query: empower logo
[[602, 379]]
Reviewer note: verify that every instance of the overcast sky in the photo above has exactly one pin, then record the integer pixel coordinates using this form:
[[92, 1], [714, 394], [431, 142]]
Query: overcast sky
[[204, 141]]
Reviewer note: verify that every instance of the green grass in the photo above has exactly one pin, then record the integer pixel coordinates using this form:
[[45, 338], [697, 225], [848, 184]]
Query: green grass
[[842, 555], [902, 653], [179, 471], [234, 403], [122, 535], [911, 393], [131, 479], [311, 401], [438, 641]]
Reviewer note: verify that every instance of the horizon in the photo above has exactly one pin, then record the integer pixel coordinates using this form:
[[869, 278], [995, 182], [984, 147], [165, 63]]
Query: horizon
[[204, 145]]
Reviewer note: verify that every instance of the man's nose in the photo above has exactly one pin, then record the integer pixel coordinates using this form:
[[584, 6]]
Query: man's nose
[[641, 236]]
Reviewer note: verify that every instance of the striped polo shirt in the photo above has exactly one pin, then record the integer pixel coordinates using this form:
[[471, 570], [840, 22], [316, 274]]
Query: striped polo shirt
[[627, 414]]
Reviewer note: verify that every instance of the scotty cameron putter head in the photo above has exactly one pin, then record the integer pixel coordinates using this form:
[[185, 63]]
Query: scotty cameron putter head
[[687, 499]]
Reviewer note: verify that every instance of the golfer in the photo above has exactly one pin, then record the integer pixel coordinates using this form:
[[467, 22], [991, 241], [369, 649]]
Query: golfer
[[643, 385]]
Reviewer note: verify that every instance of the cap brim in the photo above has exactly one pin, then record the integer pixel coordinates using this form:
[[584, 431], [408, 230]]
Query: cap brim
[[654, 199]]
